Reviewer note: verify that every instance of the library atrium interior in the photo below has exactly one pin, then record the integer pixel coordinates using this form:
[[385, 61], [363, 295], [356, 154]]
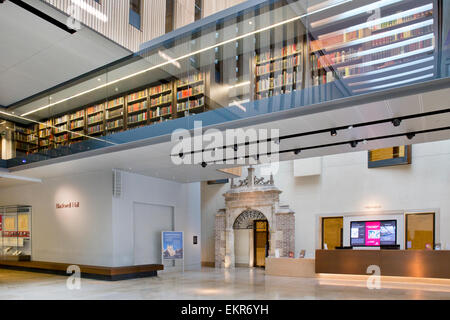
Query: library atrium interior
[[200, 149]]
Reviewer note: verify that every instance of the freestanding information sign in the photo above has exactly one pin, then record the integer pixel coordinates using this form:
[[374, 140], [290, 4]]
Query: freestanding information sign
[[172, 246]]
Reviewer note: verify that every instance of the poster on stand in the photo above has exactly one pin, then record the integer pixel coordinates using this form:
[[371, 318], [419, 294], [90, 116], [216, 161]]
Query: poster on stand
[[172, 245]]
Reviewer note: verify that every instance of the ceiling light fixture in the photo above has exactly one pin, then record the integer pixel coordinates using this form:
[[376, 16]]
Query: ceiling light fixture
[[333, 132], [397, 122], [410, 135], [354, 144]]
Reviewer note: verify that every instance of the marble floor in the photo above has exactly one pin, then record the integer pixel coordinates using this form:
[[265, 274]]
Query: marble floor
[[209, 284]]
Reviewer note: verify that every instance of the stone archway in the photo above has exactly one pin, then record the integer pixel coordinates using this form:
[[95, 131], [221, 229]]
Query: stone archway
[[253, 194], [244, 245]]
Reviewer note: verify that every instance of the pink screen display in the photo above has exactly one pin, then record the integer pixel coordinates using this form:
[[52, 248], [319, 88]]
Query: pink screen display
[[373, 230]]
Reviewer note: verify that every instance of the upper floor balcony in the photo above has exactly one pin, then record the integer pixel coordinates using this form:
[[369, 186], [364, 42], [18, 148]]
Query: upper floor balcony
[[253, 61]]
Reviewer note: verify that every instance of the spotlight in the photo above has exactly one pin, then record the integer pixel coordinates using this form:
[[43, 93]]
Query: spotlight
[[297, 152], [333, 133], [256, 157], [354, 144], [204, 164], [181, 155], [410, 135], [235, 147], [396, 122]]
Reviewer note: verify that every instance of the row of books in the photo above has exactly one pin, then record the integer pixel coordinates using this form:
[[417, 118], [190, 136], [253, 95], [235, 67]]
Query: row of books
[[137, 95], [402, 36], [326, 40], [161, 99], [273, 93], [115, 124], [45, 133], [61, 128], [61, 120], [141, 106], [402, 20], [77, 124], [114, 113], [138, 118], [95, 129], [322, 77], [190, 104], [45, 124], [94, 109], [278, 53], [62, 138], [115, 103], [190, 79], [95, 118], [161, 88], [30, 138], [285, 79], [161, 111], [186, 93], [77, 115], [289, 63]]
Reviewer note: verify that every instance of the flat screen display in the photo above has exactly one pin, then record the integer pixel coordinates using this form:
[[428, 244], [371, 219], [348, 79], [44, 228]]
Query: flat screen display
[[373, 233]]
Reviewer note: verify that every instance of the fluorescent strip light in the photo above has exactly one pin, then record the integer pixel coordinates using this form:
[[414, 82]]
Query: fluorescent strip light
[[47, 126], [391, 58], [382, 35], [401, 66], [373, 23], [91, 10], [396, 83], [354, 12], [398, 75], [180, 58]]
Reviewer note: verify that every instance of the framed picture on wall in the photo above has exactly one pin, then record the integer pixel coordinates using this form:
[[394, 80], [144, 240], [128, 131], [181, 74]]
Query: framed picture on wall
[[387, 157]]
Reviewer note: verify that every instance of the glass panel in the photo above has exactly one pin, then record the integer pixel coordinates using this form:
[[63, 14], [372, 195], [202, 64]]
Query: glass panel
[[15, 232], [263, 59], [332, 232], [420, 231]]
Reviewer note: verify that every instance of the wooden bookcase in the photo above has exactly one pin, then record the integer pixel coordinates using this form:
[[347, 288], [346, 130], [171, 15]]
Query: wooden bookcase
[[190, 95]]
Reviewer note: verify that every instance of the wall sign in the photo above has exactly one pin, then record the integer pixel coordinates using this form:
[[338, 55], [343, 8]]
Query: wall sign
[[172, 245], [68, 205]]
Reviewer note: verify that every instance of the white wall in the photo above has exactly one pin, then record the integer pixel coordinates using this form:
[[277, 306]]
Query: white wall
[[78, 235], [347, 187], [184, 198]]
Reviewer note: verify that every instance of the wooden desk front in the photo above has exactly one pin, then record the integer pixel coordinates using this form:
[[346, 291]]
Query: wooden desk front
[[402, 263]]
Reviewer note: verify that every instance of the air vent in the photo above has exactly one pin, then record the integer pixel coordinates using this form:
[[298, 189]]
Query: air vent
[[117, 184]]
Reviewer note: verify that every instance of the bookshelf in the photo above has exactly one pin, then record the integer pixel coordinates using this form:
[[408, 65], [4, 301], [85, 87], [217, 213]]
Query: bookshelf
[[190, 95], [137, 109], [161, 102], [370, 54], [115, 115], [77, 126], [26, 139], [61, 126], [95, 122], [45, 133]]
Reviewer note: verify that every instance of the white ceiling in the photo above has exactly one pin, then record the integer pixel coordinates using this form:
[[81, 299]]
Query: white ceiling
[[154, 160], [36, 55]]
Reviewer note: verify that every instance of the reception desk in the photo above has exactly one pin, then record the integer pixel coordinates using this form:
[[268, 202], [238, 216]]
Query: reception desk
[[289, 267], [411, 263]]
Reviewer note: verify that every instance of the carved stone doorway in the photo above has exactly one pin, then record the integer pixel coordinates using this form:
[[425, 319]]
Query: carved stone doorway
[[250, 242], [255, 198]]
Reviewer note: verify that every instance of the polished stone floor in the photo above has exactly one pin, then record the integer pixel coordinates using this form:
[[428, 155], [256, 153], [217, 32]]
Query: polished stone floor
[[209, 283]]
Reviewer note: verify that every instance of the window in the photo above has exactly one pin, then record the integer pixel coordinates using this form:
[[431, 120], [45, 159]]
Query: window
[[135, 13], [332, 229], [170, 14], [198, 9], [420, 231]]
